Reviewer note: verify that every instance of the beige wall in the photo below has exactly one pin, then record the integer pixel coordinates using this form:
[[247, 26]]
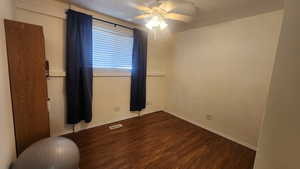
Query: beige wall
[[111, 92], [222, 72], [279, 142], [7, 140]]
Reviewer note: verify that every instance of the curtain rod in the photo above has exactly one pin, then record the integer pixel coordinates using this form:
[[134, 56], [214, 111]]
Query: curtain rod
[[102, 20], [45, 14], [115, 24]]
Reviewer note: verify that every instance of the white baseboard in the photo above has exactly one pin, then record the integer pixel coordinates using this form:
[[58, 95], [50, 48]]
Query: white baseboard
[[67, 131], [81, 128], [252, 147]]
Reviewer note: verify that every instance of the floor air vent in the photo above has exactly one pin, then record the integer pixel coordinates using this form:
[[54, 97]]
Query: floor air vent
[[116, 126]]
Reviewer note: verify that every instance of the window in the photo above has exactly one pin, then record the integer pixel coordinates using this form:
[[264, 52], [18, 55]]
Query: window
[[112, 46]]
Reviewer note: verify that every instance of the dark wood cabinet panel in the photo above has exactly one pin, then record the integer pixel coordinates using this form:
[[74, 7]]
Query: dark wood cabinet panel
[[26, 60]]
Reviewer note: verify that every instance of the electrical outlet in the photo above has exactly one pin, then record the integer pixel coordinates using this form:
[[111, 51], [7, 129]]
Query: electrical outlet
[[209, 117]]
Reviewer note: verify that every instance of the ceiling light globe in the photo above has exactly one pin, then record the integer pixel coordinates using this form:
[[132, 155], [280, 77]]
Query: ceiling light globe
[[149, 25], [156, 22], [163, 25]]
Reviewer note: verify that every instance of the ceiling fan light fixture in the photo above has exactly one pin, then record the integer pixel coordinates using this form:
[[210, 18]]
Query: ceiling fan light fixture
[[150, 25], [163, 24], [156, 22]]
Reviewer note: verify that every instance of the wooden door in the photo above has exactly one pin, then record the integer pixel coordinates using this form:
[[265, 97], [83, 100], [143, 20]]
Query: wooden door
[[26, 60]]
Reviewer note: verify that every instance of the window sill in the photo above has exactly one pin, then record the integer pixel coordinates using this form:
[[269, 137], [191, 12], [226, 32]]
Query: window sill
[[98, 72], [108, 74]]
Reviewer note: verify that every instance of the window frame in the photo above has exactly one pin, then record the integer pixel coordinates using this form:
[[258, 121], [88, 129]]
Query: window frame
[[113, 71]]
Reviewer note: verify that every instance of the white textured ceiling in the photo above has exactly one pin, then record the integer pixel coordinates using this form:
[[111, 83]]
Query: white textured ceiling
[[207, 11]]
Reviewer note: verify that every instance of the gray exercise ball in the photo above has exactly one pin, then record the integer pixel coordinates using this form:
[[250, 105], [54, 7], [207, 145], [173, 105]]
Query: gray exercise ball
[[50, 153]]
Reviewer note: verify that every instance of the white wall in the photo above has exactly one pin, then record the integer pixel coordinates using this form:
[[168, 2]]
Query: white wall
[[224, 70], [279, 142], [7, 146], [110, 93]]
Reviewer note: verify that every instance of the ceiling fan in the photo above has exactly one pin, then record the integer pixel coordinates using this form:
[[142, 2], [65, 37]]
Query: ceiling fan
[[160, 10]]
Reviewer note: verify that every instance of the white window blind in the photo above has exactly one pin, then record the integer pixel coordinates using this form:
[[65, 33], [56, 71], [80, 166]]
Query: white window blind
[[112, 46]]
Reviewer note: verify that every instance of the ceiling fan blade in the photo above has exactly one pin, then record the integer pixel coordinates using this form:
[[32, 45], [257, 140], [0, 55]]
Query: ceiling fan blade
[[142, 8], [178, 17], [142, 16], [167, 6]]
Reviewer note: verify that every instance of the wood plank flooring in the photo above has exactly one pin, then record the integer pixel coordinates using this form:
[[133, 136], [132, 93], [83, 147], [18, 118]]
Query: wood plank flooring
[[159, 141]]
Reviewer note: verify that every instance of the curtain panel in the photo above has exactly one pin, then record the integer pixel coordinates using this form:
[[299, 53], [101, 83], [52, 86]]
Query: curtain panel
[[138, 71], [79, 67]]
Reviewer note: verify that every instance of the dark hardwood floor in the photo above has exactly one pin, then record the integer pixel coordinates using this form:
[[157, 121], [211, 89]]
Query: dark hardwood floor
[[159, 141]]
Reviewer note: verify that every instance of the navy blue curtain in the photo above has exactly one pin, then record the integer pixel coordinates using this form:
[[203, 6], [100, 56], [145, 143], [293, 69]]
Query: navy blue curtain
[[138, 71], [79, 77]]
